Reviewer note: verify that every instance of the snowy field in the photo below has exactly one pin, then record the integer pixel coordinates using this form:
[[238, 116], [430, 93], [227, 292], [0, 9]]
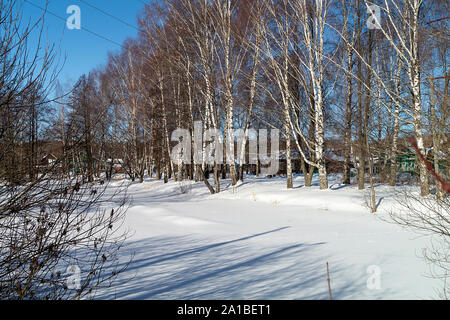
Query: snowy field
[[259, 240]]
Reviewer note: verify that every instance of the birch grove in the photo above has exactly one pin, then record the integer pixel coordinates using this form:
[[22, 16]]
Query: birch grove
[[228, 95], [345, 86]]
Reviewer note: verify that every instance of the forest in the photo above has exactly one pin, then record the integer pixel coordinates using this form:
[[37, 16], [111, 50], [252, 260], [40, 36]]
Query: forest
[[344, 93]]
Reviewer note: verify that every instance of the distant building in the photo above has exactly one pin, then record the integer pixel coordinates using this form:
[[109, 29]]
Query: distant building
[[48, 160], [117, 164]]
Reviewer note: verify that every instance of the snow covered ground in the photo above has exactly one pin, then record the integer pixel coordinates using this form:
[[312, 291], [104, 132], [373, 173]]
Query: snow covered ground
[[259, 240]]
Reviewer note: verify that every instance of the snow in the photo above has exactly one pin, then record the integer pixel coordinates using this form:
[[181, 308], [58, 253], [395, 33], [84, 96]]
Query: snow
[[258, 240]]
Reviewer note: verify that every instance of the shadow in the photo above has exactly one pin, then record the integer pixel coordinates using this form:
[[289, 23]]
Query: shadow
[[379, 202], [339, 186], [190, 268], [225, 185], [179, 254]]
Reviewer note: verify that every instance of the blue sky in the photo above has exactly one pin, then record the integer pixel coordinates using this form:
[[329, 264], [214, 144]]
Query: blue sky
[[84, 51]]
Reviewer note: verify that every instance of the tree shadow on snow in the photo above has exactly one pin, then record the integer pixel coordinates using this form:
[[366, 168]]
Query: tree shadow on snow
[[188, 267], [338, 186]]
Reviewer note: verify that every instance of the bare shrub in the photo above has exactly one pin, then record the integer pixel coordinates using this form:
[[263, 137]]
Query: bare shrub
[[52, 227], [429, 216]]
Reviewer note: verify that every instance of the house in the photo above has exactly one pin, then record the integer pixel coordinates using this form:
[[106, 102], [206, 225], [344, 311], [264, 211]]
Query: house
[[48, 160], [79, 164], [443, 159], [407, 160], [117, 164]]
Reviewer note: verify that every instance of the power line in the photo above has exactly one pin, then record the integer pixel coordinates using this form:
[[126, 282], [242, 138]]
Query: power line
[[45, 10], [108, 14]]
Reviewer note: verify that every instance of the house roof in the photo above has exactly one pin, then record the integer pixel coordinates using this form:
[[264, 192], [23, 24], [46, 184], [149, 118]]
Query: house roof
[[47, 156]]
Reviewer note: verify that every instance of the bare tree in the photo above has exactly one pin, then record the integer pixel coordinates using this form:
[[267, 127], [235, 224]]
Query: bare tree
[[48, 221]]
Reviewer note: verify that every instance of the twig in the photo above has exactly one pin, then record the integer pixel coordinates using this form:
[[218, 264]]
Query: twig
[[329, 285]]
